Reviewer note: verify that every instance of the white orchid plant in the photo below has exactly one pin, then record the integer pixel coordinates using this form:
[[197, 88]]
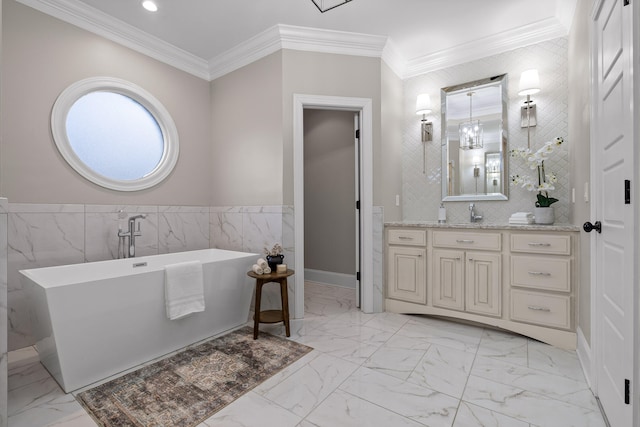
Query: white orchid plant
[[543, 182]]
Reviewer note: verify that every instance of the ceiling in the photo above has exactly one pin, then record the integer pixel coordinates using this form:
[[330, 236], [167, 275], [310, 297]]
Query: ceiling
[[411, 35]]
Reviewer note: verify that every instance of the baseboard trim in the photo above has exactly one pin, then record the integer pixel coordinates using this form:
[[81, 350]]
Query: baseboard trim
[[330, 278], [583, 350]]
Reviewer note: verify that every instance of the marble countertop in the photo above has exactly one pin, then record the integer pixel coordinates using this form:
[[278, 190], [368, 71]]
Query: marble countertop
[[483, 226]]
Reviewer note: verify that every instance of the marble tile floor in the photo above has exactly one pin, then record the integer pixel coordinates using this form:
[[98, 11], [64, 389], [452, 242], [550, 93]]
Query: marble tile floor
[[372, 370]]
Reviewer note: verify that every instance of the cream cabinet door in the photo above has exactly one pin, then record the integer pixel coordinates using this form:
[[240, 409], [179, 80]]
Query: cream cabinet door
[[406, 275], [483, 283], [448, 279]]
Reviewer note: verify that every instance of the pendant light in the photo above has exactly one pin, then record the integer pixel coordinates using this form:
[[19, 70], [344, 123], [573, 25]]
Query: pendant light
[[471, 131]]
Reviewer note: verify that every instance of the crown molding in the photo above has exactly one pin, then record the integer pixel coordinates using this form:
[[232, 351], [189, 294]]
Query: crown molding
[[296, 38], [293, 37], [394, 59], [257, 47], [97, 22], [537, 32]]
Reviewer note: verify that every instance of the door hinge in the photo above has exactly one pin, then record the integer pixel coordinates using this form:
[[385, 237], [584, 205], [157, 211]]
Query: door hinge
[[357, 133], [358, 276], [627, 392], [627, 192], [358, 204]]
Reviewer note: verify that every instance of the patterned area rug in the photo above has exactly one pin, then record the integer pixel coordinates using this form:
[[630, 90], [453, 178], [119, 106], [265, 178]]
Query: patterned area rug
[[187, 388]]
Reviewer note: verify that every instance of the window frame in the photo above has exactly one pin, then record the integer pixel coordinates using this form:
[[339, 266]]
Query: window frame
[[77, 90]]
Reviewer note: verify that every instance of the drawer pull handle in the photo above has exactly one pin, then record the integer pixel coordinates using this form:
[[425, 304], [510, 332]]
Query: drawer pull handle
[[538, 308], [536, 244], [464, 241], [539, 273], [405, 238]]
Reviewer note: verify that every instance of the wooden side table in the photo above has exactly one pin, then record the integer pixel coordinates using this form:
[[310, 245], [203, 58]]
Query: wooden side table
[[271, 316]]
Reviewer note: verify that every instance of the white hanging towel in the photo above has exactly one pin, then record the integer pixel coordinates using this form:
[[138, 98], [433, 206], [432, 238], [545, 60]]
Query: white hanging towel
[[183, 289]]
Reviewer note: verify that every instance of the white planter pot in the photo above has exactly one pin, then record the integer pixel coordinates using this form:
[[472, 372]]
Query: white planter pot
[[544, 215]]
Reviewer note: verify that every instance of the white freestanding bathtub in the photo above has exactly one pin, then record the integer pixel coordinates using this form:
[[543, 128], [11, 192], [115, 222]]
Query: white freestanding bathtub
[[94, 320]]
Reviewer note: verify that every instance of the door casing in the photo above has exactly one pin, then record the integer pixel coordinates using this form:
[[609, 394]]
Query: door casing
[[365, 108]]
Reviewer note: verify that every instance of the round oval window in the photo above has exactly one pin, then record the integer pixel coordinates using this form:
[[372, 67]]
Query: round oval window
[[115, 134]]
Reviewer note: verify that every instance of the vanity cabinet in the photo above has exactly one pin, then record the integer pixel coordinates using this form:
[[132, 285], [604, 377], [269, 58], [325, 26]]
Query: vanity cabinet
[[518, 278], [467, 281], [407, 265]]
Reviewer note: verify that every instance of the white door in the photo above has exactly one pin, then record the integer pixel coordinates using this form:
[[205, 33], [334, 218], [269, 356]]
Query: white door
[[613, 253]]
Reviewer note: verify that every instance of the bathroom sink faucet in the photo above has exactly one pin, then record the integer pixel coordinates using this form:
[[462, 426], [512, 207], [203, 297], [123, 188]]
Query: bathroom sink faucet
[[127, 242], [472, 214]]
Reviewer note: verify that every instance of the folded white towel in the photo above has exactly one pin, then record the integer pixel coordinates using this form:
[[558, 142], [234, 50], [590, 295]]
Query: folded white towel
[[183, 289], [522, 215], [520, 221], [262, 263], [267, 269], [257, 269]]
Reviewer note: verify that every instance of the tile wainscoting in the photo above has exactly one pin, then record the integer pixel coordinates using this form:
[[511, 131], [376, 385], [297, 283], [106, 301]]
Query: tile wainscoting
[[43, 235]]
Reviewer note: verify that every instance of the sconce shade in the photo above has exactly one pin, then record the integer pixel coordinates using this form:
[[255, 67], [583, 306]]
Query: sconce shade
[[423, 104], [529, 83]]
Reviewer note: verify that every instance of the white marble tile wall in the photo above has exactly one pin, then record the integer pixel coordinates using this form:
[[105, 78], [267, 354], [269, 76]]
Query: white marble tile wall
[[251, 229], [3, 312], [42, 235], [422, 192], [183, 228], [38, 236]]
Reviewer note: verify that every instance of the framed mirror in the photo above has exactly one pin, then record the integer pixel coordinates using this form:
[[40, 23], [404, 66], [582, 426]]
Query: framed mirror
[[474, 140]]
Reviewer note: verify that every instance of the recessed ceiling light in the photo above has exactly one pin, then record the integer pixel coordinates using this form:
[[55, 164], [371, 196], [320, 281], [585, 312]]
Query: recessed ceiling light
[[150, 6]]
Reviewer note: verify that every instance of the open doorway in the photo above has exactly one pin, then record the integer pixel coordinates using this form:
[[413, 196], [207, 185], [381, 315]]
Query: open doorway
[[331, 189], [364, 108]]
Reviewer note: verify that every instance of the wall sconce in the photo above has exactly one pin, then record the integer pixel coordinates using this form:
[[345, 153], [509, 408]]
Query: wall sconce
[[529, 85], [423, 106]]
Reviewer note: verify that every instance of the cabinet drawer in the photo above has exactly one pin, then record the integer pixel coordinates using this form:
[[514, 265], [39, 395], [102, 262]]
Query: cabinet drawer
[[467, 240], [407, 237], [541, 243], [541, 309], [541, 272]]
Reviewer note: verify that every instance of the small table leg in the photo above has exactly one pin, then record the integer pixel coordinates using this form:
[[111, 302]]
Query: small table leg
[[256, 315], [284, 297]]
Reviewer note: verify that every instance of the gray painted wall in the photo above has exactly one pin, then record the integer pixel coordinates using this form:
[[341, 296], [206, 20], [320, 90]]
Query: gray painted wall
[[246, 124], [41, 57], [329, 191]]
